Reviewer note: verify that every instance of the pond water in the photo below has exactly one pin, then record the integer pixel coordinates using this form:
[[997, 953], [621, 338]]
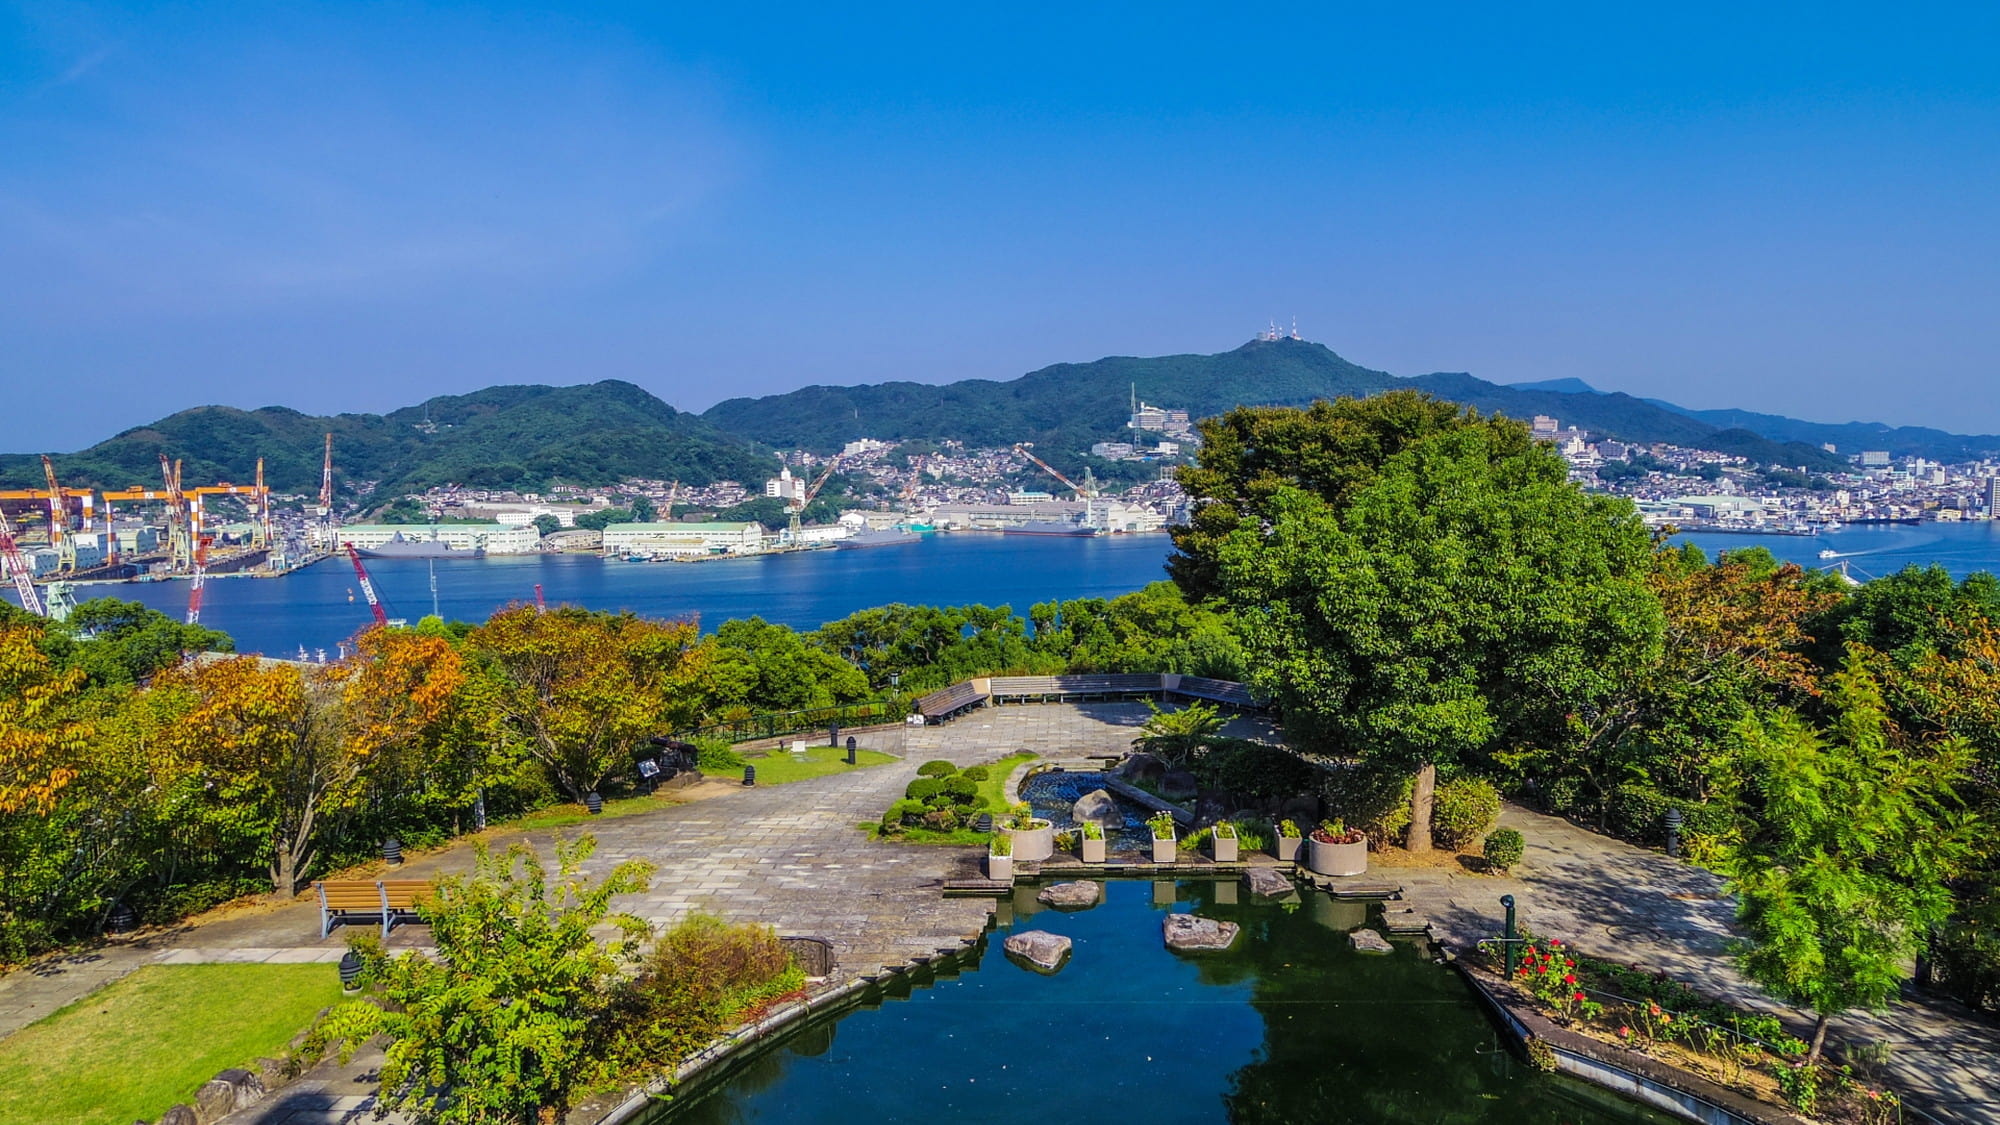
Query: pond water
[[1290, 1025], [1052, 794]]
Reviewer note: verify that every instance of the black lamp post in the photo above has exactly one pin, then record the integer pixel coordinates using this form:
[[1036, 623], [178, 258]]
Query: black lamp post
[[1510, 936], [392, 851], [850, 749], [1673, 822]]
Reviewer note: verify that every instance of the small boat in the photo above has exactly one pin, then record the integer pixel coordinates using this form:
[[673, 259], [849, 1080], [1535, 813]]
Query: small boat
[[1829, 553]]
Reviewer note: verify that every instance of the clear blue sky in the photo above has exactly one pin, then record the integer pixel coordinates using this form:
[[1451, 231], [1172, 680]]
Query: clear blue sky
[[352, 206]]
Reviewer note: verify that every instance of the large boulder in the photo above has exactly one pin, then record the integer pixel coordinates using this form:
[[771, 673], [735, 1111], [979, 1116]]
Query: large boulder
[[1179, 785], [227, 1092], [1041, 950], [1368, 941], [1098, 805], [1070, 896], [1189, 933], [1140, 769], [1268, 882]]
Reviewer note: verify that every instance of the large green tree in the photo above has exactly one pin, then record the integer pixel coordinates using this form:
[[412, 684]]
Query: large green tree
[[1458, 596], [1855, 841]]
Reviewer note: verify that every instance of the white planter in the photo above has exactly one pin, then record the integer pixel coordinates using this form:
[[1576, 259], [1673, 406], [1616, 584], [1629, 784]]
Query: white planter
[[1338, 859], [1288, 848], [1033, 845], [1224, 848], [1000, 868], [1165, 851], [1093, 850]]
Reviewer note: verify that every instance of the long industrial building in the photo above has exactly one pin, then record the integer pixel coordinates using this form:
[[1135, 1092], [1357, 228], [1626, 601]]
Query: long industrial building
[[681, 540], [495, 538]]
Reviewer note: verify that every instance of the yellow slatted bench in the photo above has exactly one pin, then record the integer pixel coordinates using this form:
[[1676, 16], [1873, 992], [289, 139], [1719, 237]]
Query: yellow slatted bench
[[391, 900]]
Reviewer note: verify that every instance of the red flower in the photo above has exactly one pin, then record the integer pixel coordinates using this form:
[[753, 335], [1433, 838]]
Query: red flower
[[1569, 978], [1624, 1032], [1579, 995]]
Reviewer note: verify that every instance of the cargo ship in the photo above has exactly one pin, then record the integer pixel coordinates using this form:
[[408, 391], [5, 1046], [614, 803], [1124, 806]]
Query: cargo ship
[[401, 548], [1051, 527]]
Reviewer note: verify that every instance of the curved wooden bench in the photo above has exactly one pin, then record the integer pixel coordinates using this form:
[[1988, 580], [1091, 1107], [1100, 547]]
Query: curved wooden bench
[[1217, 691], [948, 702], [1051, 689], [391, 900]]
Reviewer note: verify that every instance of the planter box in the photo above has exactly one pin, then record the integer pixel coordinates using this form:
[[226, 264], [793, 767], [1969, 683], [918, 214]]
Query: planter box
[[1033, 845], [1000, 868], [1337, 859], [1093, 850], [1165, 851], [1223, 848], [1288, 848]]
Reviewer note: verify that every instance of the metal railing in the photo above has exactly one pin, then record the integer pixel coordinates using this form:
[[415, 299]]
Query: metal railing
[[776, 724]]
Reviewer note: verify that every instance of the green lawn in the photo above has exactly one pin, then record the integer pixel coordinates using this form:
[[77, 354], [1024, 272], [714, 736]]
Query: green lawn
[[137, 1046], [778, 768], [566, 815]]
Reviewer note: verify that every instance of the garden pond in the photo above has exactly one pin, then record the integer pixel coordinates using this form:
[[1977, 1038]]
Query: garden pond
[[1051, 794], [1290, 1025]]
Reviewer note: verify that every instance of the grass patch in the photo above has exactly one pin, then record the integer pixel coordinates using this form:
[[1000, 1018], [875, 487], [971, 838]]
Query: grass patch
[[992, 792], [139, 1045], [963, 837], [567, 815], [994, 788], [779, 768]]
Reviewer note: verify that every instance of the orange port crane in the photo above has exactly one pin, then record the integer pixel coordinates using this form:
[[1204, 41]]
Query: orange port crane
[[259, 500], [805, 499], [1082, 493], [180, 532], [200, 579]]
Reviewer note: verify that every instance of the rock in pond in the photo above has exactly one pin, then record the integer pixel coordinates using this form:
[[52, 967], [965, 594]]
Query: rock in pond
[[1189, 933], [1043, 951], [1140, 768], [1098, 805], [1268, 882], [1070, 896], [1368, 941]]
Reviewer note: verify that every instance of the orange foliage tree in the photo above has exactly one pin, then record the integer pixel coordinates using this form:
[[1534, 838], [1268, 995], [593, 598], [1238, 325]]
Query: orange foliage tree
[[580, 689], [42, 736]]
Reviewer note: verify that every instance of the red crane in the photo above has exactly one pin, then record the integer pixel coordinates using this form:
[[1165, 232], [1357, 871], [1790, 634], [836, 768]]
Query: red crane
[[200, 579], [541, 606], [13, 560], [367, 586]]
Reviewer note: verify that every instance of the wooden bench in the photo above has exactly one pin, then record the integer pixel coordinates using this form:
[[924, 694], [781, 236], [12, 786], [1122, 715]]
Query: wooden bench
[[1217, 691], [1049, 689], [946, 703], [391, 900]]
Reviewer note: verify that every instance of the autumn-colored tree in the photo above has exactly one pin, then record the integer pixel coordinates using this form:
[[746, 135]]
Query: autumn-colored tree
[[42, 735], [580, 689]]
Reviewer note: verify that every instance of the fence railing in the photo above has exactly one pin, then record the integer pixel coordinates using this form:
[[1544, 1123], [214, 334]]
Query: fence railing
[[776, 724]]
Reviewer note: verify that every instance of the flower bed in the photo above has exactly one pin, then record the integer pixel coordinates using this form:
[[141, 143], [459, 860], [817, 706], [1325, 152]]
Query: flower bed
[[1662, 1018]]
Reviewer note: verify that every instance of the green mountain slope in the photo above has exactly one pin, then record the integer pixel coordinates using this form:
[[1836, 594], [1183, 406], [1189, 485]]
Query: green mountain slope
[[520, 437], [1063, 409]]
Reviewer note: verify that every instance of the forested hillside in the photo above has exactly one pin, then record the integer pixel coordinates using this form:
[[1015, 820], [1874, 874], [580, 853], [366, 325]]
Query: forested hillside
[[520, 437]]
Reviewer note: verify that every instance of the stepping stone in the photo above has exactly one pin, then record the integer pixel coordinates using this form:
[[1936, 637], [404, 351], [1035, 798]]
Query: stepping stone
[[1042, 951], [1368, 941], [1070, 896], [1268, 882], [1189, 933]]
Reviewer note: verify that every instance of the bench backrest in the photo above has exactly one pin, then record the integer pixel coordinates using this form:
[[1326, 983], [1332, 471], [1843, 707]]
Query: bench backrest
[[406, 893], [949, 699], [367, 895]]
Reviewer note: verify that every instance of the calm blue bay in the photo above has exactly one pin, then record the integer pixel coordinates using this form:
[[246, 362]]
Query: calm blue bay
[[313, 607]]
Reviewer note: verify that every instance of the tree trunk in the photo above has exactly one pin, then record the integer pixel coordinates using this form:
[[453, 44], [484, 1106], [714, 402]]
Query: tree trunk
[[1818, 1040], [1419, 838], [284, 873]]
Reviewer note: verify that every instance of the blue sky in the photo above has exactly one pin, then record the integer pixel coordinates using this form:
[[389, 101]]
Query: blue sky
[[354, 206]]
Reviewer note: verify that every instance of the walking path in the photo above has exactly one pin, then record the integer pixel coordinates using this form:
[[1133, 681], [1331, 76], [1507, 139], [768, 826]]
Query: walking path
[[1621, 903], [791, 857]]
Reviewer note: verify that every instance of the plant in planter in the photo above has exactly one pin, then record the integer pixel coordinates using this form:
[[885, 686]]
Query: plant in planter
[[1222, 842], [1337, 849], [1289, 838], [1000, 858], [1034, 839], [1092, 842], [1162, 825]]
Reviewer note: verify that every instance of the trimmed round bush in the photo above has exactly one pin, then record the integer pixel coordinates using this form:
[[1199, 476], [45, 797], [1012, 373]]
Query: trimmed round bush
[[975, 773], [1503, 848], [903, 813], [923, 789], [940, 820], [936, 767], [1464, 809], [961, 790]]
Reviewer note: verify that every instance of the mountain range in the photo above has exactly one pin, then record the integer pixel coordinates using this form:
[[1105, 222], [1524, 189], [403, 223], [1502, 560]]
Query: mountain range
[[525, 437]]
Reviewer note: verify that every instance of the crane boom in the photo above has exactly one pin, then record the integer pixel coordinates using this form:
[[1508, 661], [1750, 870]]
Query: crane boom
[[806, 499], [200, 579], [59, 528], [1082, 493], [13, 560], [367, 586]]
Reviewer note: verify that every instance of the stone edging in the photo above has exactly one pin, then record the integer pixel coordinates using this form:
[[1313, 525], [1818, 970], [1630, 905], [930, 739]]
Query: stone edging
[[1636, 1076]]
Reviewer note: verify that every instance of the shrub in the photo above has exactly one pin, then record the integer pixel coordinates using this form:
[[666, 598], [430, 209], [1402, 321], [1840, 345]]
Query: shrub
[[961, 790], [1503, 848], [923, 789], [1195, 839], [936, 767], [1253, 770], [1638, 813], [940, 820], [1464, 809], [700, 977], [905, 812], [716, 755], [1253, 835], [1370, 796], [976, 773]]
